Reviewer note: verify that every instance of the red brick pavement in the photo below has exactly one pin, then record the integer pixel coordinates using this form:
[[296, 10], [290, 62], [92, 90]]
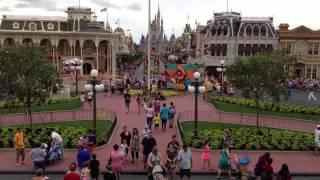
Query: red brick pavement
[[299, 162]]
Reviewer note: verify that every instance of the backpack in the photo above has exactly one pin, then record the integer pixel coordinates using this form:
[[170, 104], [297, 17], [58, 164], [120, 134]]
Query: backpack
[[172, 111]]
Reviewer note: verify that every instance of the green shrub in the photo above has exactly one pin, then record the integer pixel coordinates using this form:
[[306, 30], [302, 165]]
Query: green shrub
[[267, 106], [70, 136], [17, 104], [247, 139]]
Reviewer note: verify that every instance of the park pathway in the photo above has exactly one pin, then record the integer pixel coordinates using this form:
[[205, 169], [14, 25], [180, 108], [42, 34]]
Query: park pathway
[[299, 162]]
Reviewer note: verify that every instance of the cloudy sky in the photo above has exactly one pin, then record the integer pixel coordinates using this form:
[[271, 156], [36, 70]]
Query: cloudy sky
[[133, 13]]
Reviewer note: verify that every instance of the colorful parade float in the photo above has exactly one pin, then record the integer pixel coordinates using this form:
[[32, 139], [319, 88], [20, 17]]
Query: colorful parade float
[[178, 76]]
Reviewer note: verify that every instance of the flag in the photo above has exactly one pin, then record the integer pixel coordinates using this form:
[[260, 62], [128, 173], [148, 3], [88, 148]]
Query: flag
[[103, 10]]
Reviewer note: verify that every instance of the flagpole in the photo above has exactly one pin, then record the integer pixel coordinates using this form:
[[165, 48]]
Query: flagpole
[[149, 43]]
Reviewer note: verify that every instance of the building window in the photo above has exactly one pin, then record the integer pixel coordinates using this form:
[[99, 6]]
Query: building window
[[15, 25], [248, 31], [263, 31], [240, 49], [32, 26], [308, 75], [316, 49], [224, 49], [314, 72], [310, 48]]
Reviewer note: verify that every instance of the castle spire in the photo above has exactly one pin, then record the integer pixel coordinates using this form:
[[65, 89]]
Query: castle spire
[[159, 11]]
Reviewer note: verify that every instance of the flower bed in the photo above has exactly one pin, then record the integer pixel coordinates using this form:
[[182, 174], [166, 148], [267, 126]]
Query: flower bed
[[245, 138], [154, 71], [70, 132], [264, 105], [166, 93]]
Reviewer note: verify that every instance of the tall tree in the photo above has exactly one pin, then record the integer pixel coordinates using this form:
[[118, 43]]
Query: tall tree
[[261, 74], [26, 75]]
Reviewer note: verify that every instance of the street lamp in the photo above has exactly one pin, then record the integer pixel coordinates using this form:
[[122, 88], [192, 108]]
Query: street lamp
[[75, 65], [221, 70], [94, 87], [196, 88]]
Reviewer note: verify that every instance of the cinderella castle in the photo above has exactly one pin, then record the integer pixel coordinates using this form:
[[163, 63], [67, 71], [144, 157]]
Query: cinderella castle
[[159, 40]]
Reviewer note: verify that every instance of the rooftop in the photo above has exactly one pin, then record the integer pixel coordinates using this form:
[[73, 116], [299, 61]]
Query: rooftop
[[261, 19], [41, 18]]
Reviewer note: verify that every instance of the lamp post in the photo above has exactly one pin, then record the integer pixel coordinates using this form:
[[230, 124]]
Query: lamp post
[[75, 65], [221, 70], [196, 88], [94, 88]]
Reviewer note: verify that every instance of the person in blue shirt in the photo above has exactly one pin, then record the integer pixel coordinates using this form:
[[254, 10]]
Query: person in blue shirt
[[164, 115], [83, 158]]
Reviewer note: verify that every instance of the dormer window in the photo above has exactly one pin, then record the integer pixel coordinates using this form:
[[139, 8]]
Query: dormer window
[[50, 26], [15, 25], [32, 26]]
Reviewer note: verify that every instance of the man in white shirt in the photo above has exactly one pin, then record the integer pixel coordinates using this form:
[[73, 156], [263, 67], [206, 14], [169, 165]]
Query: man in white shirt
[[317, 139], [185, 161], [57, 139]]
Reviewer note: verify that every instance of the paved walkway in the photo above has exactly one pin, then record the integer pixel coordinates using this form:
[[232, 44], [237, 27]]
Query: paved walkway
[[299, 162]]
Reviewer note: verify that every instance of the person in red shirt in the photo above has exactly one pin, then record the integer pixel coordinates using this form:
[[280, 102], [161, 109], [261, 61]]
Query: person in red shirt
[[71, 174], [269, 170]]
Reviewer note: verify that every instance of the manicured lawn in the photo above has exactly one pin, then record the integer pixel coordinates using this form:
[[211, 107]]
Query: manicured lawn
[[51, 107], [188, 126], [228, 107]]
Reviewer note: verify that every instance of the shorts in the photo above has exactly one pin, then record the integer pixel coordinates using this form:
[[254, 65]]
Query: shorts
[[20, 152], [317, 143], [185, 172], [156, 125]]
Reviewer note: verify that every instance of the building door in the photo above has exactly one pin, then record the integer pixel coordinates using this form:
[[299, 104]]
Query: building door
[[87, 68]]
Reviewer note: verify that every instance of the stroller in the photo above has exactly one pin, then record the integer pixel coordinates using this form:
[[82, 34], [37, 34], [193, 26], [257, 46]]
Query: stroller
[[158, 173], [54, 154]]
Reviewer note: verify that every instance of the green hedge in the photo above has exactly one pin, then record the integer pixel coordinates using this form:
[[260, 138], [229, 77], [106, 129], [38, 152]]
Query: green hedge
[[246, 139], [268, 106], [70, 135], [17, 104]]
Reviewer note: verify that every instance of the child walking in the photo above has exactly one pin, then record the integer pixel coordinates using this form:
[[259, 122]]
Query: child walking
[[156, 121], [85, 172], [123, 148], [206, 155]]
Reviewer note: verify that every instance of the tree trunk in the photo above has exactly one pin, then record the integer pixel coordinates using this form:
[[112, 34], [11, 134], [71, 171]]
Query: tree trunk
[[30, 115], [258, 113]]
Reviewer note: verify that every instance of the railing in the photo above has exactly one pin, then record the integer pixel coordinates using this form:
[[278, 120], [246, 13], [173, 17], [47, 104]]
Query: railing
[[250, 119], [180, 128], [55, 116], [112, 127]]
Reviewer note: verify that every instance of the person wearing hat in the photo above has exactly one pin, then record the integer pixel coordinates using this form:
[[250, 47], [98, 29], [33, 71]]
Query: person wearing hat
[[317, 139]]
